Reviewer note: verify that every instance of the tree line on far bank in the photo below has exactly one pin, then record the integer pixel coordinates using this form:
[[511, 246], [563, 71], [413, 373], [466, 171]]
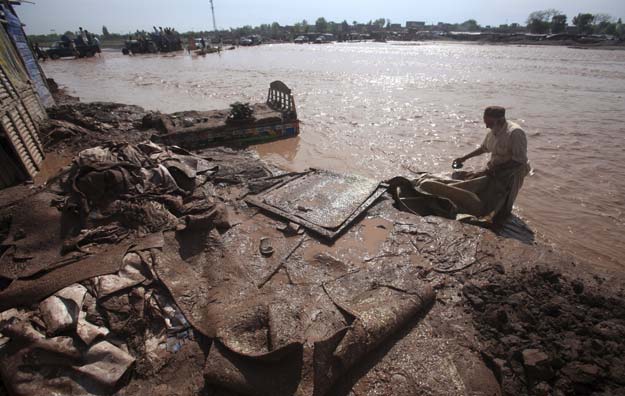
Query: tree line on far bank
[[554, 21], [540, 22]]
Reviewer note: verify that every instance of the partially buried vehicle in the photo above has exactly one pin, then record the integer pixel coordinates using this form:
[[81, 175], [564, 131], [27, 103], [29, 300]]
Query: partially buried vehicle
[[242, 125], [163, 40], [64, 49], [140, 46]]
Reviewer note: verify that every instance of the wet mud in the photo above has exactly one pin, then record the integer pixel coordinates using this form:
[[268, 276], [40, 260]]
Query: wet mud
[[163, 281]]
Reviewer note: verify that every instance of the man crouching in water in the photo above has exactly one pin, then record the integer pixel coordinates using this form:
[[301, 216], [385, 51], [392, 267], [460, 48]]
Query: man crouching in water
[[490, 192]]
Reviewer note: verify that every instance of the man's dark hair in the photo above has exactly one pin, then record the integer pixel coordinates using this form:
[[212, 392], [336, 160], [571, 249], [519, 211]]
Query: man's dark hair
[[495, 112]]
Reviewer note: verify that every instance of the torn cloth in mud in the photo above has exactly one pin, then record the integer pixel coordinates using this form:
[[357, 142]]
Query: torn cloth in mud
[[110, 192], [83, 339], [109, 171], [481, 196], [285, 339], [117, 179]]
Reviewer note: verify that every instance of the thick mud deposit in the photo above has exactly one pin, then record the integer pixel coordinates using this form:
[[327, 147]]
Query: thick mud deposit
[[138, 269]]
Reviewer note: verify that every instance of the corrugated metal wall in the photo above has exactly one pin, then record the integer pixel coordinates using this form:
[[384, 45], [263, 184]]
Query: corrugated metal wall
[[11, 171], [20, 112]]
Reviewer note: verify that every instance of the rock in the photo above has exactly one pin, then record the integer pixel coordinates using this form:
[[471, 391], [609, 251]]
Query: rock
[[3, 341], [578, 286], [89, 332], [511, 341], [550, 276], [617, 371], [75, 293], [610, 330], [497, 318], [499, 366], [57, 315], [525, 315], [553, 307], [105, 363], [580, 373], [499, 268], [19, 235], [471, 292], [518, 299], [130, 275], [58, 134], [537, 365], [60, 311], [569, 347], [542, 389]]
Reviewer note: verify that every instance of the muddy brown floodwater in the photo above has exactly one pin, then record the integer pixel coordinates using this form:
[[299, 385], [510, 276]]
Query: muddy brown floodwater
[[378, 109]]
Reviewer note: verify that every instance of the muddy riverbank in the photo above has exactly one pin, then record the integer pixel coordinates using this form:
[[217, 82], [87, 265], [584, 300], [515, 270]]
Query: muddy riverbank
[[374, 109], [160, 287]]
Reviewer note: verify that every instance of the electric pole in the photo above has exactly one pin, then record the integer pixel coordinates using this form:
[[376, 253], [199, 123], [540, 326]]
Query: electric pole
[[213, 13]]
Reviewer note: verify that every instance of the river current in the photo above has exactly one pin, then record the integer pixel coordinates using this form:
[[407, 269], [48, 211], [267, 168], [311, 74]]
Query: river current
[[379, 109]]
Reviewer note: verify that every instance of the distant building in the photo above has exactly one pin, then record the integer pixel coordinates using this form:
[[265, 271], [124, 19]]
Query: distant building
[[415, 25], [395, 26], [444, 27], [572, 30]]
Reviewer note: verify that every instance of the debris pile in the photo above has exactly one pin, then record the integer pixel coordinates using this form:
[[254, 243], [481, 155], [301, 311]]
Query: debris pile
[[102, 306], [140, 262], [83, 125], [548, 334]]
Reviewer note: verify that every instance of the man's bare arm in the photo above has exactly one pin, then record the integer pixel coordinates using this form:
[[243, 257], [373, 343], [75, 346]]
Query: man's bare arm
[[478, 151]]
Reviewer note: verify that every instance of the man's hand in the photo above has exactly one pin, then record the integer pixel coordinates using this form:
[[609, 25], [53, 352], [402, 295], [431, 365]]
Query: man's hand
[[459, 162]]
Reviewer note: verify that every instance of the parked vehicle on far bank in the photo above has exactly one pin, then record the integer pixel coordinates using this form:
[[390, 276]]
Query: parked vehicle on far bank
[[254, 39], [301, 40]]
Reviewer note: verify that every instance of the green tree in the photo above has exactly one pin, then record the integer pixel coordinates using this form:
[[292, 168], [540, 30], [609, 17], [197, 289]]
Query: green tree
[[379, 23], [602, 18], [344, 26], [584, 22], [540, 21], [333, 27], [321, 25], [275, 30], [620, 29], [105, 32], [558, 23], [610, 29], [604, 24], [305, 26], [246, 30], [470, 25]]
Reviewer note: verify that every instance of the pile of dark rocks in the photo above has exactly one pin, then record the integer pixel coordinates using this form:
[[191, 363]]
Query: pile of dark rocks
[[547, 334]]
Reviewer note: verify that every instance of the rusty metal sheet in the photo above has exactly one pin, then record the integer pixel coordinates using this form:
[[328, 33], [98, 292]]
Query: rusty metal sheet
[[323, 201]]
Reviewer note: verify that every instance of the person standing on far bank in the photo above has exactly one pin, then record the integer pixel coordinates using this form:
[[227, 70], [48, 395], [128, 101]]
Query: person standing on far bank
[[508, 165]]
